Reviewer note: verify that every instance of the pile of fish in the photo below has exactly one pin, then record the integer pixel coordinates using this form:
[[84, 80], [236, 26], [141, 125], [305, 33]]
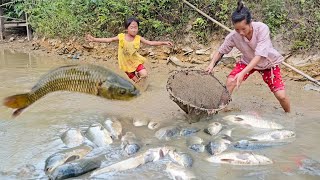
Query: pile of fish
[[218, 144]]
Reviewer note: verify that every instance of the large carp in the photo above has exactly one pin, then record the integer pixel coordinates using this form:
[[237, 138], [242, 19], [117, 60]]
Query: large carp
[[90, 79]]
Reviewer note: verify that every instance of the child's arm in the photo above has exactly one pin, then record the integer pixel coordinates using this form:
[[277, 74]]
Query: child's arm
[[102, 40], [155, 43]]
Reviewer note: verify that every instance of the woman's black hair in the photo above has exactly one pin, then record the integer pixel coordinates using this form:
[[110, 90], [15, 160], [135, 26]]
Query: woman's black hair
[[241, 13], [129, 21]]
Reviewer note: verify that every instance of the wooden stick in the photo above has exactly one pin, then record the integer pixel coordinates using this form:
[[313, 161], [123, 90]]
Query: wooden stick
[[228, 29]]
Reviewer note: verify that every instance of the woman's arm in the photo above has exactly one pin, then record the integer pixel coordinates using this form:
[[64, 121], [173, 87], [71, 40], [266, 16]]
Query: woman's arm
[[155, 43], [214, 58], [102, 40]]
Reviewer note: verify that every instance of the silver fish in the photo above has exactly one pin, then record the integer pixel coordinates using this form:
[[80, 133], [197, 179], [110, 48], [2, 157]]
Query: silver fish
[[67, 155], [97, 134], [140, 122], [181, 158], [195, 143], [252, 121], [167, 133], [72, 137], [179, 173], [76, 168], [274, 135], [150, 155], [213, 128], [189, 131], [309, 166], [153, 125], [240, 158], [114, 127], [253, 145], [130, 144], [217, 146]]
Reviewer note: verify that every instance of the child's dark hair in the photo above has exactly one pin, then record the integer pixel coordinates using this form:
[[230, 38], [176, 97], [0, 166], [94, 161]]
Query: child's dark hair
[[241, 13], [129, 21]]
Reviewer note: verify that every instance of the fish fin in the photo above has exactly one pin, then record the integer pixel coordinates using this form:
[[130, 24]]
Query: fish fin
[[17, 101], [17, 112], [72, 158], [236, 118]]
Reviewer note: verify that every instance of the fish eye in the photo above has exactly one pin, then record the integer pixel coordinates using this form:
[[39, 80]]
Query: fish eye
[[122, 91]]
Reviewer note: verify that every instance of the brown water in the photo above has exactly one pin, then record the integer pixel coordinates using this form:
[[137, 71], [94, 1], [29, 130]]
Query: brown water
[[26, 141]]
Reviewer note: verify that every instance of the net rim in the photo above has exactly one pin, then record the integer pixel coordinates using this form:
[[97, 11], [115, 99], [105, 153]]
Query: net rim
[[183, 102]]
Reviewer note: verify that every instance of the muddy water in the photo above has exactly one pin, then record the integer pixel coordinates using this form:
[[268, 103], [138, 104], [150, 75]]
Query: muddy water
[[26, 141]]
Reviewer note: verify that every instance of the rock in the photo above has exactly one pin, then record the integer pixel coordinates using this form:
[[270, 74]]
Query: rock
[[11, 39]]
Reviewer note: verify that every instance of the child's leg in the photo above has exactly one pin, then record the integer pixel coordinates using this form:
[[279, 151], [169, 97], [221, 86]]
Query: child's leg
[[274, 80], [230, 84], [132, 76], [142, 72]]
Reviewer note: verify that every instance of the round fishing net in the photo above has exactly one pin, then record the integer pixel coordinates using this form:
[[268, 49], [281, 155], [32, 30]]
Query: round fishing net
[[197, 93]]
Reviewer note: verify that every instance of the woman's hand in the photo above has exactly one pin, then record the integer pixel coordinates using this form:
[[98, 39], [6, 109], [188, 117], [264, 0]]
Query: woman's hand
[[168, 43], [239, 78], [209, 68], [89, 38]]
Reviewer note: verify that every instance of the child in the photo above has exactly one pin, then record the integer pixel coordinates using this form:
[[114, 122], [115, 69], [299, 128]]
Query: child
[[253, 40], [130, 61]]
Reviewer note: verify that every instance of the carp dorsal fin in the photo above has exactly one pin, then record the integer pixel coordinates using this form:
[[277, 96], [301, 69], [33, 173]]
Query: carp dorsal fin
[[17, 112], [227, 160], [72, 158]]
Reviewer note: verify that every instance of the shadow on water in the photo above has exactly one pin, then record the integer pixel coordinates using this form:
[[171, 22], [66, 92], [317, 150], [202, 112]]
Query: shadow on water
[[33, 136]]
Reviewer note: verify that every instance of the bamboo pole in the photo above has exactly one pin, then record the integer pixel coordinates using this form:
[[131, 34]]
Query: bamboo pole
[[229, 30]]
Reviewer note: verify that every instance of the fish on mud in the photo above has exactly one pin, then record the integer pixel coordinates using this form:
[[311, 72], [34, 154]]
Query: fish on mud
[[153, 125], [179, 173], [252, 121], [72, 137], [67, 155], [253, 145], [240, 158], [140, 122], [195, 143], [130, 144], [213, 128], [217, 146], [114, 127], [308, 166], [166, 133], [150, 155], [280, 134], [97, 134], [76, 168], [181, 158], [189, 131], [90, 79]]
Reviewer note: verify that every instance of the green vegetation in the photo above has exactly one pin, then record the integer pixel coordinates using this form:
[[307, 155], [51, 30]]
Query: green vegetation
[[297, 21]]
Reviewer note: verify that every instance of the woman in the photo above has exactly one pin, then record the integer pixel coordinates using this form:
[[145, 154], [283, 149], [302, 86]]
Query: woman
[[253, 40]]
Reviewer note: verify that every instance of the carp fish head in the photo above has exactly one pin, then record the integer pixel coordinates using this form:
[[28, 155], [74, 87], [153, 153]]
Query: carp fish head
[[118, 88]]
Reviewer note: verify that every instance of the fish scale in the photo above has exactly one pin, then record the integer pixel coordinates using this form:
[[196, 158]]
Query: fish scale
[[90, 79]]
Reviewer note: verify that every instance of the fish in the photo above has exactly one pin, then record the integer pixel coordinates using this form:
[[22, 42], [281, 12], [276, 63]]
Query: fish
[[252, 121], [151, 155], [76, 168], [240, 158], [309, 166], [97, 134], [213, 128], [217, 146], [166, 133], [153, 125], [195, 143], [72, 137], [83, 78], [179, 173], [189, 131], [130, 144], [281, 134], [140, 122], [114, 127], [253, 145], [181, 158], [67, 155]]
